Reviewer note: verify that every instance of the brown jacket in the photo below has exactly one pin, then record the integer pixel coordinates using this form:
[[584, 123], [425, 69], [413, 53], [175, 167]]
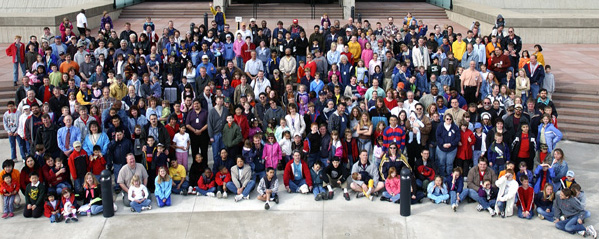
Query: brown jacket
[[473, 179]]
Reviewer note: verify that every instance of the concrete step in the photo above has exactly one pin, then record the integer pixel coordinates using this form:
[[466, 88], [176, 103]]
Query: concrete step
[[581, 137], [576, 104], [289, 10], [567, 127], [577, 89], [565, 96], [569, 119], [578, 112]]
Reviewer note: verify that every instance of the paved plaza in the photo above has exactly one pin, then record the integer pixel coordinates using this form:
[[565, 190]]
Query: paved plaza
[[299, 216]]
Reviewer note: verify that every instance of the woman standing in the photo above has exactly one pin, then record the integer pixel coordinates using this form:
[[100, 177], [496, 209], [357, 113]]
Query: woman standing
[[364, 130], [448, 137], [295, 121]]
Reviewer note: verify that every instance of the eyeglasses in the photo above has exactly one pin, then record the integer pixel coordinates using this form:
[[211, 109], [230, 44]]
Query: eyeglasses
[[418, 108], [392, 147], [448, 119], [487, 103]]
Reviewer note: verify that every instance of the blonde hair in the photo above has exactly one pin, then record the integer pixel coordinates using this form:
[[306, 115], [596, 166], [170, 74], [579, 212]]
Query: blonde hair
[[134, 179], [94, 180], [161, 179]]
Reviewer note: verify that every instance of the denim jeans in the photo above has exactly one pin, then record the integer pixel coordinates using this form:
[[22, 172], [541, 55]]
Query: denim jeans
[[423, 184], [500, 206], [453, 196], [94, 209], [246, 191], [324, 162], [364, 144], [184, 186], [116, 169], [294, 185], [432, 149], [239, 62], [23, 146], [13, 147], [259, 175], [548, 215], [165, 203], [204, 192], [15, 71], [520, 213], [318, 190], [58, 188], [9, 203], [392, 198], [138, 206], [312, 158], [475, 156], [534, 90], [498, 168], [445, 161], [438, 198], [570, 225], [55, 217], [472, 194], [78, 186], [217, 145]]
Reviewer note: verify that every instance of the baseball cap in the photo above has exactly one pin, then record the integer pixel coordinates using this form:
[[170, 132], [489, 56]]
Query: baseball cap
[[295, 21], [205, 57], [486, 115], [252, 19], [76, 144], [321, 92], [570, 173], [348, 29], [443, 69], [518, 106], [478, 125], [227, 100]]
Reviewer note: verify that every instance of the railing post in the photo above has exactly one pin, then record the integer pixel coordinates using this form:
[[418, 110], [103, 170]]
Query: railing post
[[353, 12], [206, 19]]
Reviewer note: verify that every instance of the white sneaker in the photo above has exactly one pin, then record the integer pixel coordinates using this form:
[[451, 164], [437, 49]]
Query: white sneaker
[[304, 189], [247, 197], [225, 194], [146, 208], [454, 207], [199, 194], [219, 195], [591, 231], [479, 207], [189, 190], [238, 198], [210, 195], [491, 211]]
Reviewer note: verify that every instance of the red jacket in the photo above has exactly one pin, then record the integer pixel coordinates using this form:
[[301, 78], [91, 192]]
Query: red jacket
[[465, 150], [96, 166], [221, 179], [202, 184], [48, 208], [350, 147], [75, 165], [50, 176], [6, 188], [526, 198], [246, 51], [242, 121], [12, 51], [288, 174]]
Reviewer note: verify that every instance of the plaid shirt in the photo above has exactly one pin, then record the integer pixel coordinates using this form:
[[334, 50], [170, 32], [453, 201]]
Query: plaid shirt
[[105, 103], [390, 30]]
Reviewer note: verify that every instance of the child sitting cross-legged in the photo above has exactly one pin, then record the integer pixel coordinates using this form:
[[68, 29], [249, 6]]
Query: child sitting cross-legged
[[437, 191]]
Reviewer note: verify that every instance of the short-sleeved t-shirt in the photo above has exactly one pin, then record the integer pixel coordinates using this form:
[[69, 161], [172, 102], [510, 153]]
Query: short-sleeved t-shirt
[[181, 141], [177, 173], [126, 174]]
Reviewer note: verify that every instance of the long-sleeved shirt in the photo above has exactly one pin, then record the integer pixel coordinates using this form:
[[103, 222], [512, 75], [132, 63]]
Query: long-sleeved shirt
[[140, 192], [526, 198], [62, 134]]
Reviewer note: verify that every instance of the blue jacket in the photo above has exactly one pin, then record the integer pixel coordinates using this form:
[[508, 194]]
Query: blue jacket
[[459, 184], [422, 83], [117, 152], [539, 173], [210, 69], [317, 177], [173, 49], [451, 136], [228, 53], [346, 73], [103, 141], [552, 136], [493, 156], [537, 77], [163, 190]]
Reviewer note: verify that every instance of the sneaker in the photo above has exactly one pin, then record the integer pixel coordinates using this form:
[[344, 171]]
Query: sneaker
[[277, 199], [376, 194], [331, 194], [304, 189], [247, 197], [479, 207], [238, 198], [132, 210], [75, 219], [149, 207], [385, 199], [5, 215], [199, 194], [225, 195], [219, 195], [491, 211], [359, 195], [562, 218], [541, 217], [324, 196], [183, 192], [371, 197], [88, 213], [454, 207], [346, 196], [14, 83], [318, 197], [592, 231], [190, 189], [502, 214], [583, 233], [11, 214], [266, 206], [210, 195], [288, 190], [68, 220], [443, 201]]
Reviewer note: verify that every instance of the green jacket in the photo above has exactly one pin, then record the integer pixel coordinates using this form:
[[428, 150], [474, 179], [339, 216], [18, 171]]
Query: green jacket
[[35, 195], [232, 135]]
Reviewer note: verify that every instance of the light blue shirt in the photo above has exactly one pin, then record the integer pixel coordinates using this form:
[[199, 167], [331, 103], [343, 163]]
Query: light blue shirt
[[62, 135]]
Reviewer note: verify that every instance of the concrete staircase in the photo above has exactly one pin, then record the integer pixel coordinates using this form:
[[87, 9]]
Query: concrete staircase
[[578, 115], [168, 10], [7, 93], [398, 10], [284, 11]]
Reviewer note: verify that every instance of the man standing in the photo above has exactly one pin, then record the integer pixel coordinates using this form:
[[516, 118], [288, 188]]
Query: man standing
[[17, 51], [66, 136], [536, 73], [471, 80], [388, 66], [216, 121], [259, 84], [81, 22], [338, 120], [32, 124], [456, 111], [394, 133], [253, 66], [420, 55], [390, 30], [116, 155], [156, 130], [197, 126], [287, 66]]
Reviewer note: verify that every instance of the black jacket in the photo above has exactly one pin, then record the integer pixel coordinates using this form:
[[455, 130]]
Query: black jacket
[[117, 152], [47, 137]]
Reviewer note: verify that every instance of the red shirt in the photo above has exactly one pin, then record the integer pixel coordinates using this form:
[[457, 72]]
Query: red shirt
[[390, 104], [525, 198], [524, 146]]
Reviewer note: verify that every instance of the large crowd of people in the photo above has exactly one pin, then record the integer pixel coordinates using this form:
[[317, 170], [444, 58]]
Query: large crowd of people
[[342, 105]]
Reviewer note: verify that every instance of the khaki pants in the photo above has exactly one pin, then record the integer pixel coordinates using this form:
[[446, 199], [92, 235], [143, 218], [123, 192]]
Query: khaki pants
[[387, 82], [334, 184]]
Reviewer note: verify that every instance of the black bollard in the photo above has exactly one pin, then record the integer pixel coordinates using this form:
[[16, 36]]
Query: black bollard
[[107, 199], [206, 21], [405, 193]]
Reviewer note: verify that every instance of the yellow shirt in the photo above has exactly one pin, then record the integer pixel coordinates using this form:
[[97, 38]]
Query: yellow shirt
[[458, 49], [177, 173], [118, 91], [503, 173], [355, 49], [540, 58]]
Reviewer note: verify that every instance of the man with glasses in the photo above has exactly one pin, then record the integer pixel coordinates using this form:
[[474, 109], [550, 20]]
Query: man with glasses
[[512, 123], [273, 113], [455, 111], [512, 38], [488, 108]]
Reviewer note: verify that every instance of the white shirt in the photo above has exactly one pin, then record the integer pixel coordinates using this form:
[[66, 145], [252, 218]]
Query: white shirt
[[181, 140], [81, 19]]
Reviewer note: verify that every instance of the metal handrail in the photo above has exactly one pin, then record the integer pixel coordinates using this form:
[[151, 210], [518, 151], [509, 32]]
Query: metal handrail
[[313, 9], [255, 9]]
